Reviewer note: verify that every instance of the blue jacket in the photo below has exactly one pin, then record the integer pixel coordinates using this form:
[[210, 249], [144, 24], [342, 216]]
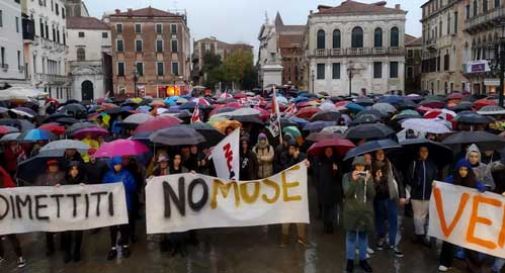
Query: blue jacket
[[464, 163], [123, 176], [420, 177]]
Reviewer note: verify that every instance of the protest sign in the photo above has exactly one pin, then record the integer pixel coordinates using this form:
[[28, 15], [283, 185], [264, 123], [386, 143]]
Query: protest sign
[[182, 202], [468, 218], [225, 156], [54, 209]]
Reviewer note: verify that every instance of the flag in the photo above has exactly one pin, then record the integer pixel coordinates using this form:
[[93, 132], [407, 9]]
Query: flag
[[225, 156], [195, 117], [275, 118]]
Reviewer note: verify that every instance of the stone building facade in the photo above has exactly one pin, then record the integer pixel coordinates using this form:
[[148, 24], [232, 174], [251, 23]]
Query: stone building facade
[[12, 70], [413, 63]]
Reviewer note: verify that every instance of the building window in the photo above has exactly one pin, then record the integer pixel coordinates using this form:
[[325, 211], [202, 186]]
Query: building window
[[484, 6], [378, 37], [475, 8], [138, 28], [395, 37], [320, 72], [2, 18], [64, 37], [105, 35], [119, 28], [446, 62], [159, 45], [2, 56], [62, 13], [19, 60], [455, 22], [175, 69], [160, 69], [119, 46], [467, 11], [496, 3], [410, 72], [120, 69], [174, 46], [173, 29], [410, 53], [34, 64], [140, 69], [393, 70], [357, 37], [57, 9], [17, 24], [81, 34], [159, 28], [336, 71], [81, 54], [321, 39], [377, 70], [448, 24], [336, 39], [138, 45]]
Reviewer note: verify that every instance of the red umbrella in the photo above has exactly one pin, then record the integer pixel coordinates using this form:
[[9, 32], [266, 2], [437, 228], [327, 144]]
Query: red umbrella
[[54, 128], [240, 95], [307, 112], [235, 105], [121, 147], [264, 113], [455, 96], [94, 132], [440, 113], [424, 109], [483, 102], [4, 129], [341, 146], [156, 124]]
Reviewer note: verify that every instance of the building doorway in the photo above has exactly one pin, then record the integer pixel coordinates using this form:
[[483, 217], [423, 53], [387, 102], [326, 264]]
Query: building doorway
[[87, 91]]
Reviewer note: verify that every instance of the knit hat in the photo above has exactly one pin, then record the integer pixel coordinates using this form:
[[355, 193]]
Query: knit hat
[[262, 136], [359, 160]]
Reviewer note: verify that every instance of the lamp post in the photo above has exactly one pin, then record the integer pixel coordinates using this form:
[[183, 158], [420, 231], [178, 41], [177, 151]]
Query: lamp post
[[497, 65], [313, 78], [350, 73], [135, 80]]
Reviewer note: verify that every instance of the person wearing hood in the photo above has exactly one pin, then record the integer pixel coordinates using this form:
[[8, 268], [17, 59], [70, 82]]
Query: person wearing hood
[[161, 169], [465, 177], [72, 240], [389, 196], [94, 168], [420, 176], [118, 173], [248, 161], [359, 193], [482, 171], [265, 154], [5, 183]]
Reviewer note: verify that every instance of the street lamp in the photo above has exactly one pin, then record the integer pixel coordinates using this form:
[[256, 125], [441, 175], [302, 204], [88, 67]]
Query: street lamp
[[497, 65], [135, 80], [313, 78]]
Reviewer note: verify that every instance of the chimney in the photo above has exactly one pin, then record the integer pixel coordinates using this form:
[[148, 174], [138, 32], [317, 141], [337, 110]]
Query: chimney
[[130, 12], [398, 6], [117, 11]]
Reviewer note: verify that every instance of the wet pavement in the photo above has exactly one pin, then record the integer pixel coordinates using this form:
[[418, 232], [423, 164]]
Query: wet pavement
[[244, 250]]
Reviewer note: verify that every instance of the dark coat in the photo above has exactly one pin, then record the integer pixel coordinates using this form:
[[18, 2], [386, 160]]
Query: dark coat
[[248, 166], [281, 158], [95, 171], [327, 181], [358, 205], [420, 177]]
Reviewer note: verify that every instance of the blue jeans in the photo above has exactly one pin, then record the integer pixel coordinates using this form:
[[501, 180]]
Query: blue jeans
[[350, 244], [386, 210]]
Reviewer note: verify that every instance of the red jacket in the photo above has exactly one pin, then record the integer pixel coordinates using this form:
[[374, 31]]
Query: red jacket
[[7, 180]]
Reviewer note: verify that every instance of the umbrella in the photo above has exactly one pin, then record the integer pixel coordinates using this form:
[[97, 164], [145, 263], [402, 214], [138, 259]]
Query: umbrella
[[328, 106], [491, 110], [30, 169], [245, 111], [54, 128], [288, 122], [10, 137], [221, 124], [78, 126], [121, 147], [201, 101], [439, 153], [391, 99], [478, 104], [36, 135], [462, 106], [335, 129], [67, 121], [65, 144], [432, 103], [340, 145], [211, 135], [406, 104], [94, 132], [184, 114], [75, 110], [157, 123], [22, 124], [385, 108], [177, 135], [369, 131], [406, 114], [364, 119], [326, 116], [5, 129], [248, 119], [322, 135], [307, 112], [470, 117], [292, 131], [440, 114], [354, 107], [484, 140], [364, 101], [374, 112], [455, 96], [317, 126], [433, 126], [137, 119], [372, 146], [24, 112]]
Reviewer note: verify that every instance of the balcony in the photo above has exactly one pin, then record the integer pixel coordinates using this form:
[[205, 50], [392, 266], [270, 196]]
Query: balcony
[[358, 52], [487, 20], [51, 78]]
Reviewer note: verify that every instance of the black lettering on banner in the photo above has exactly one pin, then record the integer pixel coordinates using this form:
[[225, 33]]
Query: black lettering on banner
[[39, 206], [86, 198], [196, 206], [13, 206], [180, 201], [74, 202], [57, 199], [6, 201], [27, 202], [111, 204], [98, 194]]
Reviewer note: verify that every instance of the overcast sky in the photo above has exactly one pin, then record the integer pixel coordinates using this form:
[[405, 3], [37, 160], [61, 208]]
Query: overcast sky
[[240, 20]]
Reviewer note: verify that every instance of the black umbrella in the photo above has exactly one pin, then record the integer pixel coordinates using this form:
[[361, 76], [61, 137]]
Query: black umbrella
[[56, 116], [75, 110], [30, 169], [210, 134], [326, 116], [462, 106], [248, 119], [184, 114], [484, 140], [285, 122], [78, 126], [177, 135], [67, 121], [372, 146], [369, 131], [317, 126], [374, 112], [438, 152], [22, 124], [365, 119], [364, 101], [406, 104], [470, 117]]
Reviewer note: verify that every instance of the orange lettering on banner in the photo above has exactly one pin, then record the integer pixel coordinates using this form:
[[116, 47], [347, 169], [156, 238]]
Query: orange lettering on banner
[[475, 219], [447, 230], [501, 238]]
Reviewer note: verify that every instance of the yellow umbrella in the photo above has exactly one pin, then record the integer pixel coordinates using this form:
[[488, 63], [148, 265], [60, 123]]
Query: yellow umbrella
[[136, 100], [222, 124]]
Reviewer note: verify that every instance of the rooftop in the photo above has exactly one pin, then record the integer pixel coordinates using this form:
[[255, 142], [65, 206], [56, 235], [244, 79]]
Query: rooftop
[[144, 12], [86, 23], [350, 7]]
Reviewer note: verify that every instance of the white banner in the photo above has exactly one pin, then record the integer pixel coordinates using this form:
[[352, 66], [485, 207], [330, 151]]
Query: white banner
[[183, 202], [226, 156], [55, 209], [468, 218]]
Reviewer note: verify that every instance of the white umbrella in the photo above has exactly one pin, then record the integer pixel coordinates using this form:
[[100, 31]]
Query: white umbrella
[[137, 118], [240, 113], [384, 108], [434, 126], [20, 93], [62, 145], [328, 106]]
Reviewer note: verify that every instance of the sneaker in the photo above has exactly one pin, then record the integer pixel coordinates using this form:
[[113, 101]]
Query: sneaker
[[365, 266], [112, 254], [126, 252], [443, 268], [370, 251], [398, 253], [349, 268], [21, 262]]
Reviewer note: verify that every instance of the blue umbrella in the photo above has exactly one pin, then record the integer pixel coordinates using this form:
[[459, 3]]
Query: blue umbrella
[[372, 146], [299, 121], [36, 135], [317, 126], [300, 99], [171, 100], [354, 107], [392, 99]]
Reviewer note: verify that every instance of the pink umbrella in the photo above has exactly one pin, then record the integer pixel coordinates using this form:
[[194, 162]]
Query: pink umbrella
[[121, 147], [94, 132]]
